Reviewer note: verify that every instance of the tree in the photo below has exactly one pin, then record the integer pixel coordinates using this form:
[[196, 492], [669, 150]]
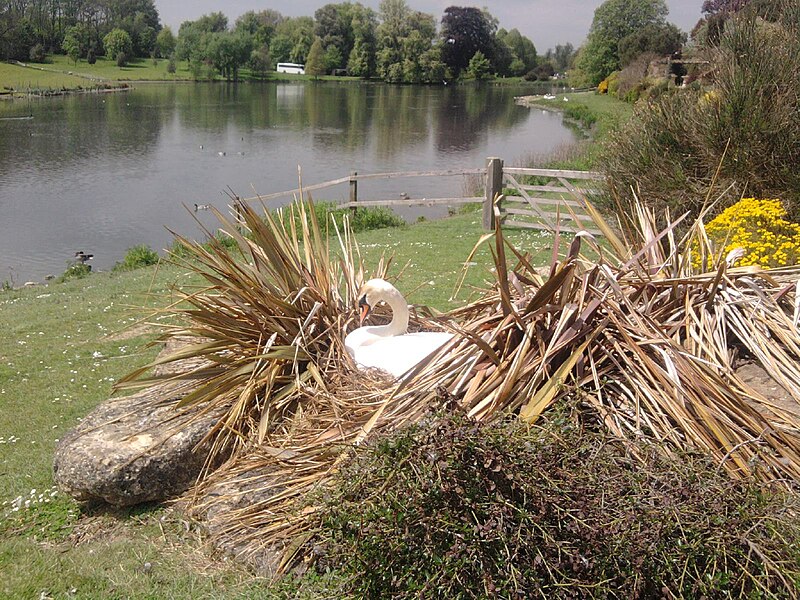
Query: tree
[[260, 61], [465, 31], [404, 42], [261, 25], [165, 42], [479, 67], [562, 57], [292, 40], [523, 48], [315, 61], [228, 51], [332, 24], [614, 20], [37, 54], [280, 49], [663, 40], [212, 23], [361, 62], [72, 44], [191, 41], [117, 42]]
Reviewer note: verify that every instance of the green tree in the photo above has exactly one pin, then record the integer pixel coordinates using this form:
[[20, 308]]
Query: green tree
[[404, 44], [522, 48], [228, 52], [116, 42], [613, 21], [280, 49], [292, 40], [73, 43], [212, 23], [165, 42], [261, 25], [663, 40], [315, 61], [361, 61], [260, 61], [191, 42], [479, 67], [561, 57]]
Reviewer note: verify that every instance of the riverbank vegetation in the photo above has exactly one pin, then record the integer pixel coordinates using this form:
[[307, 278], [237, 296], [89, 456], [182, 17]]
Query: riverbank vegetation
[[44, 82], [732, 132]]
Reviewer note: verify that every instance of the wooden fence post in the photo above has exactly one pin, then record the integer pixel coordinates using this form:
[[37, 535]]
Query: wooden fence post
[[353, 191], [494, 186]]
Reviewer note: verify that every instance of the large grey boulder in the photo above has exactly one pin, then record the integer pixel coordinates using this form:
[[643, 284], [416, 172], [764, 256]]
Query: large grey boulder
[[135, 449]]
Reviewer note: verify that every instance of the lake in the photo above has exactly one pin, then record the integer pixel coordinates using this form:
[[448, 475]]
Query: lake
[[100, 173]]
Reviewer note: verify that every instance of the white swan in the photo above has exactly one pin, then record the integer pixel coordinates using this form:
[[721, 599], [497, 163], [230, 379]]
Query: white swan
[[389, 347]]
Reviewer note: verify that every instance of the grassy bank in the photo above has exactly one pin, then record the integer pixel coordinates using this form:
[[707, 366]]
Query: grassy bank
[[148, 69], [596, 116], [64, 345], [42, 79]]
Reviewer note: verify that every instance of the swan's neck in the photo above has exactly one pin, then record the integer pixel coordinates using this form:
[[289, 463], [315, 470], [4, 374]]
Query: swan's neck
[[399, 323]]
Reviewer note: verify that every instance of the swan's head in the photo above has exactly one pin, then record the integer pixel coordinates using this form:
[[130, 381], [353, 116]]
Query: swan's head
[[372, 292]]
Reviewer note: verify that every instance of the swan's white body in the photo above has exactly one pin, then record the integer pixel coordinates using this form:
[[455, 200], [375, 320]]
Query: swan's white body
[[389, 347]]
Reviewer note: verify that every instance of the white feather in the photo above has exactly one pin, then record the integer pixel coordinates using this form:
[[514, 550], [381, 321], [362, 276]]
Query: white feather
[[388, 347]]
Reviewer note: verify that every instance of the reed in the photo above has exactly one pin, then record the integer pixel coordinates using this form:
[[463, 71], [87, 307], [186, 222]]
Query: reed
[[631, 329]]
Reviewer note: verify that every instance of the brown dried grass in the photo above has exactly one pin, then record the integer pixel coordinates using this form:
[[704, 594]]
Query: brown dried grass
[[646, 341]]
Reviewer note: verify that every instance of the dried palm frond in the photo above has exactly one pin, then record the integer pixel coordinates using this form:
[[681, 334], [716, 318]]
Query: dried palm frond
[[267, 327], [646, 341]]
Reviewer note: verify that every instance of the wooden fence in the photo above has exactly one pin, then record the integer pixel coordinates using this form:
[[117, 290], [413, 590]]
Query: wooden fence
[[557, 202]]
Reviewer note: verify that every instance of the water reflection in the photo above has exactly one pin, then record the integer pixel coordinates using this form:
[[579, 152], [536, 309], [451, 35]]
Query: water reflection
[[103, 172]]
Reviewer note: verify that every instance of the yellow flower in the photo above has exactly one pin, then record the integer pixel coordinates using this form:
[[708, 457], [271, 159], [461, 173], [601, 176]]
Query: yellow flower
[[761, 228]]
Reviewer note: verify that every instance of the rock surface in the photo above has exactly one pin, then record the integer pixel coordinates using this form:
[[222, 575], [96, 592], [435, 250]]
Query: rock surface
[[134, 449]]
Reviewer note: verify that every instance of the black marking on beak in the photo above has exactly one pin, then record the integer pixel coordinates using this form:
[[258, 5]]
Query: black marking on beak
[[364, 308]]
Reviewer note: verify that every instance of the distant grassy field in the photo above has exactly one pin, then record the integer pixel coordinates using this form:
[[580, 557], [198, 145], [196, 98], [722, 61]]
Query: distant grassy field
[[138, 69], [145, 69], [14, 77]]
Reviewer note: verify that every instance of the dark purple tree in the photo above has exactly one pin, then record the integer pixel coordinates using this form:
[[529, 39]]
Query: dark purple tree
[[465, 31]]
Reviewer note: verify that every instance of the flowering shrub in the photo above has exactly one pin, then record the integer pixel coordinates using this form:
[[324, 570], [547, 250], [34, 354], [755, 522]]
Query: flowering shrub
[[761, 228]]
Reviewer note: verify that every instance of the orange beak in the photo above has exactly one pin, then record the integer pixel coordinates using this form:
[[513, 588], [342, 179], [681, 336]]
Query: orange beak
[[363, 311]]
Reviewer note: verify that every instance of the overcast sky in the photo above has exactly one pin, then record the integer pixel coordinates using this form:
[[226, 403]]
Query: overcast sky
[[545, 22]]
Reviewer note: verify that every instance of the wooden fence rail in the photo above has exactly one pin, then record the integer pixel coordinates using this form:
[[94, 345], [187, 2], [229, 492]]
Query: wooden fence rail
[[543, 206]]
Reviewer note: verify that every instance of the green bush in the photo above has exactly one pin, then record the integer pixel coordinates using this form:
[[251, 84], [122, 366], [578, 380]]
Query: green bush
[[746, 127], [361, 219], [581, 114], [452, 508], [76, 270], [136, 258]]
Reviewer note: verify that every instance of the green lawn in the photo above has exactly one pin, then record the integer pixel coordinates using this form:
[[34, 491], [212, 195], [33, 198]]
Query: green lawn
[[145, 69], [38, 77], [138, 69]]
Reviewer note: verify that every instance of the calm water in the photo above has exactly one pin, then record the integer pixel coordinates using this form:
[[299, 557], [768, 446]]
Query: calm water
[[102, 173]]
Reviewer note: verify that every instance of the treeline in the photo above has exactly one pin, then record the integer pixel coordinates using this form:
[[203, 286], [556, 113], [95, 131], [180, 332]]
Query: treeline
[[395, 43], [30, 29]]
